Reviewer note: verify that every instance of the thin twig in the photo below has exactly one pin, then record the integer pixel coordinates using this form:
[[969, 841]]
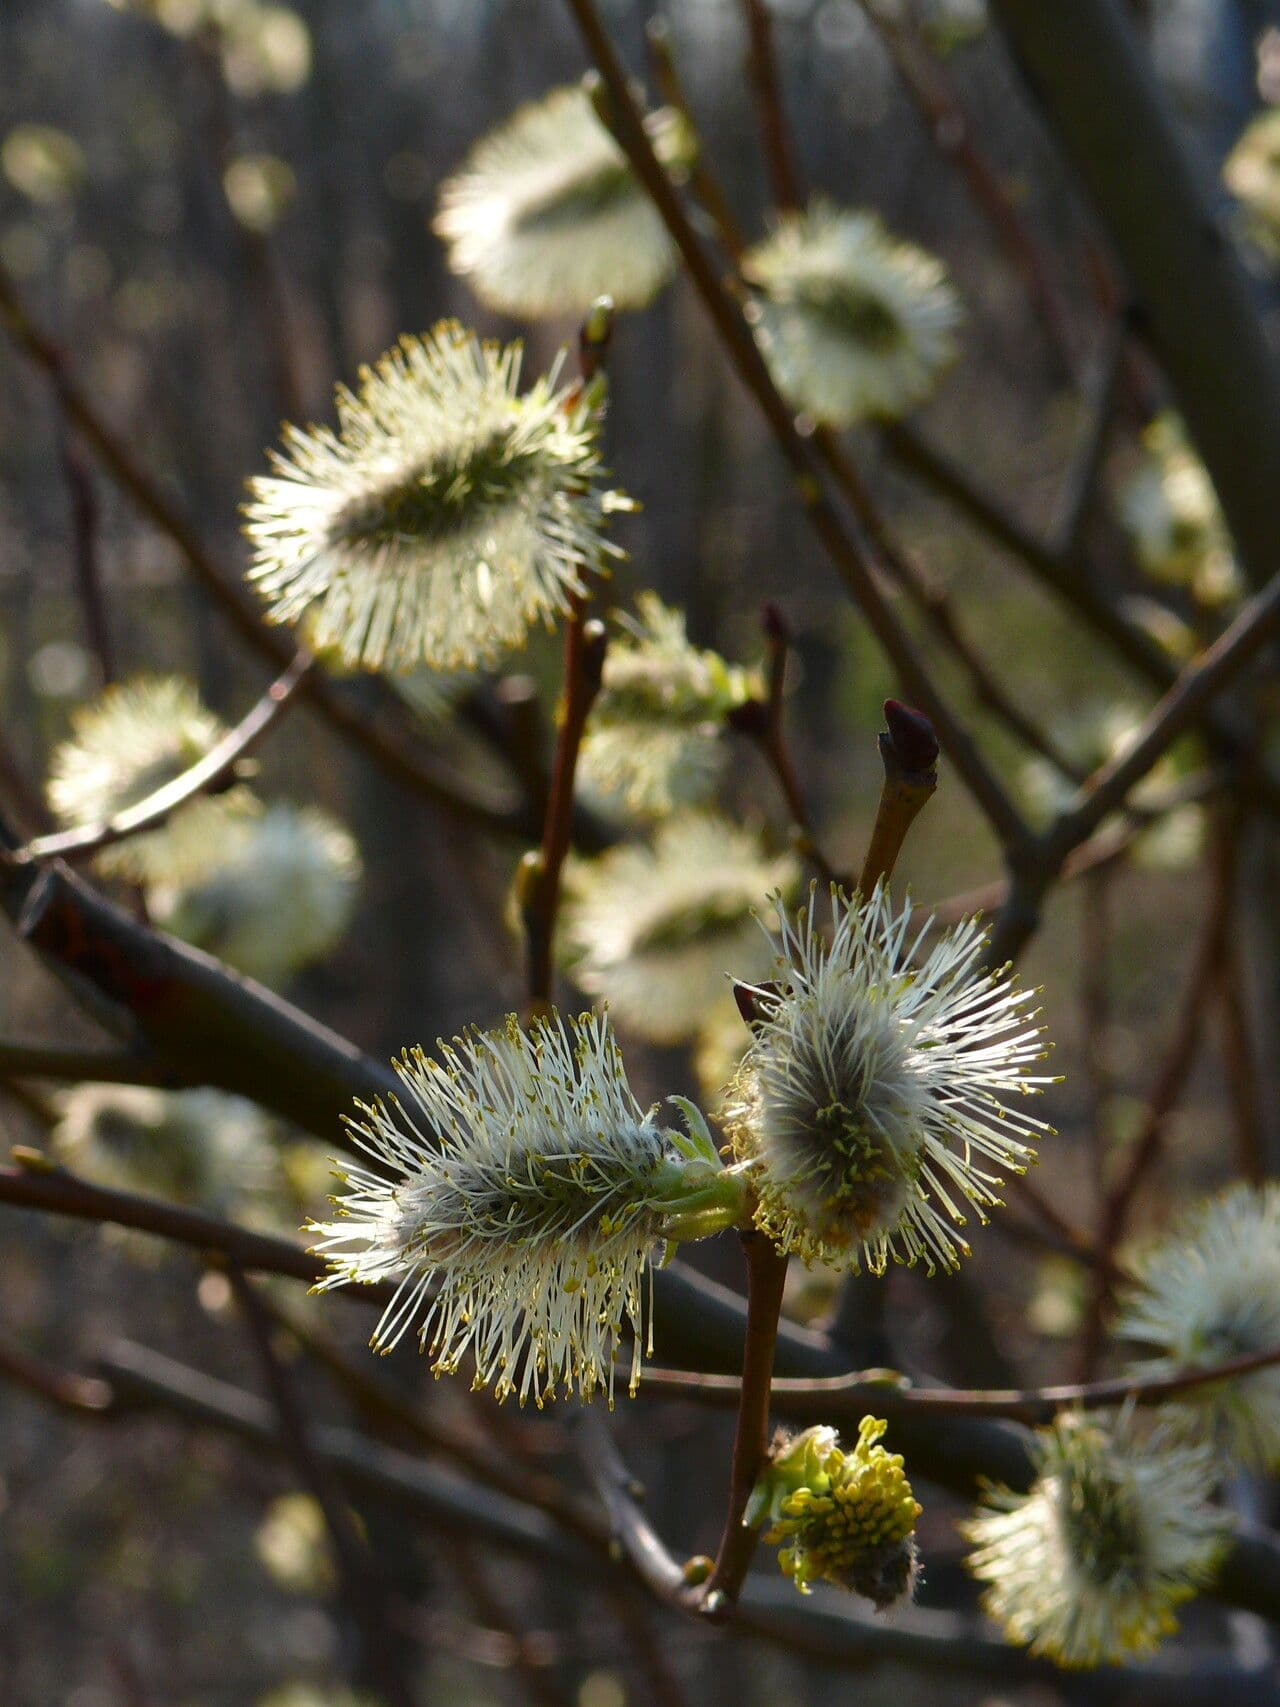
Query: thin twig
[[640, 1543], [847, 1397], [948, 124], [764, 722], [703, 183], [584, 650], [1079, 486], [1170, 1081], [766, 84], [65, 1389], [934, 603], [1241, 1064], [88, 568], [206, 774]]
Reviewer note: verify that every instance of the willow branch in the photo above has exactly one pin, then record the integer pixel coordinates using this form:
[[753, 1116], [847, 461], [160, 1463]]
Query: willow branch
[[217, 765], [849, 1397], [764, 722], [85, 554], [584, 650], [846, 551], [766, 84], [949, 126], [934, 603], [1104, 792]]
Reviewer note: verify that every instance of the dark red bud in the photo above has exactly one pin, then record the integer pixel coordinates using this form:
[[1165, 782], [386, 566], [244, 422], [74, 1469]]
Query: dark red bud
[[915, 745], [755, 1004]]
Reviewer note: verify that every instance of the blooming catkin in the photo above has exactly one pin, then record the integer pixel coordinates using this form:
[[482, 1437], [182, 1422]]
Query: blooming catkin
[[545, 214], [1207, 1293], [876, 1092], [519, 1195], [1115, 1533], [843, 1517], [852, 322], [447, 514]]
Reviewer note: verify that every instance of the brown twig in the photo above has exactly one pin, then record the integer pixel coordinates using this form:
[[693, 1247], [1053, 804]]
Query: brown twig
[[766, 84], [1171, 1078], [703, 183], [766, 1277], [1241, 1064], [640, 1543], [585, 642], [764, 722], [206, 774], [849, 1397], [909, 753], [88, 569], [1039, 861], [944, 116], [934, 603], [67, 1390], [1079, 486]]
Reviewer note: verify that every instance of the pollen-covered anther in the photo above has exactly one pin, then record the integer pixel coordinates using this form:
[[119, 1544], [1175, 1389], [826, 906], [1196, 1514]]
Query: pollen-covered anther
[[846, 1518]]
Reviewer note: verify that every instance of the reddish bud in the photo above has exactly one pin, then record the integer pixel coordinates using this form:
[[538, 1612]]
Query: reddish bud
[[775, 625], [915, 746]]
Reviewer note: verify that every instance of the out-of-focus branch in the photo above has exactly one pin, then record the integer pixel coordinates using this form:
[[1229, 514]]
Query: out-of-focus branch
[[207, 773], [1080, 484], [144, 1381], [1215, 670], [20, 1060], [934, 603], [1093, 79], [88, 567], [34, 1184], [777, 144], [1175, 1069], [362, 1595], [943, 114], [764, 722], [848, 554], [704, 184]]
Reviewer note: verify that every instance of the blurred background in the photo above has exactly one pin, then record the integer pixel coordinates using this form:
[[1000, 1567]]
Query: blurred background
[[217, 226]]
